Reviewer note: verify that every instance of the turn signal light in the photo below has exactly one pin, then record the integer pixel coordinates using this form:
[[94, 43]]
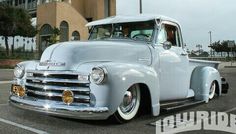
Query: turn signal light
[[67, 97], [18, 90]]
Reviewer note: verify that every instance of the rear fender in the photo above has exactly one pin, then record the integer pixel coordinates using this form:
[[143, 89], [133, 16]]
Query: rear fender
[[201, 80]]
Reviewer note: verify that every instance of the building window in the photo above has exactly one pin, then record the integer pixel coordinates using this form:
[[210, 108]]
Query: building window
[[75, 35], [46, 29], [16, 3], [9, 2], [45, 33], [106, 8], [64, 30]]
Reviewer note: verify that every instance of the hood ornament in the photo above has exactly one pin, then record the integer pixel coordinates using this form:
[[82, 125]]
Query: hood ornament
[[52, 63]]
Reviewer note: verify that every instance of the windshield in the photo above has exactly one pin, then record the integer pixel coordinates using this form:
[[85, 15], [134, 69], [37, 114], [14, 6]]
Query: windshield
[[140, 31]]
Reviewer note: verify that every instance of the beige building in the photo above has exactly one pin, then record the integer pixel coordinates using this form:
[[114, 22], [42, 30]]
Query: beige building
[[70, 16]]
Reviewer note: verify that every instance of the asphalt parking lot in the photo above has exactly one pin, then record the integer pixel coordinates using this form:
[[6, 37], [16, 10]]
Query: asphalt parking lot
[[14, 120]]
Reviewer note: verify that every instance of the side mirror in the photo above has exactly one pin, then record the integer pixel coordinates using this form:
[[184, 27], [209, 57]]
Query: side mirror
[[167, 45]]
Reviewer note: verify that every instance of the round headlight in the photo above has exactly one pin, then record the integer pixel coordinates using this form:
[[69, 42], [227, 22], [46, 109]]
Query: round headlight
[[19, 71], [98, 75]]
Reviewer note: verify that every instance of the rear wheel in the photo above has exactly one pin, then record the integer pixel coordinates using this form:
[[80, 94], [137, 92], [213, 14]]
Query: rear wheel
[[212, 90], [129, 106]]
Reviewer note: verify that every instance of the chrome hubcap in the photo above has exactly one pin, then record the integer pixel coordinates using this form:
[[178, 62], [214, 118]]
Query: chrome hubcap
[[129, 101]]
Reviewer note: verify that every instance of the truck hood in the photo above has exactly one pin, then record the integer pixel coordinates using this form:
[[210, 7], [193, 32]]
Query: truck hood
[[70, 55]]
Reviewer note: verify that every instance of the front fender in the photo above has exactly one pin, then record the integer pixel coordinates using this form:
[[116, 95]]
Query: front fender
[[121, 76], [201, 80]]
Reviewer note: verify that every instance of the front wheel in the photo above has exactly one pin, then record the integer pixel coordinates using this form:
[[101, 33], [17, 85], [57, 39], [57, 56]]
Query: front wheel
[[129, 106]]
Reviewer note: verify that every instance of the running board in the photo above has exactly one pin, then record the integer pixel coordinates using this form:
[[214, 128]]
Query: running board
[[168, 106]]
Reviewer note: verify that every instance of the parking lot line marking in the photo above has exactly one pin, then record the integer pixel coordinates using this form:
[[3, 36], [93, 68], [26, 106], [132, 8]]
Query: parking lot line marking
[[5, 82], [4, 104], [23, 126], [230, 110]]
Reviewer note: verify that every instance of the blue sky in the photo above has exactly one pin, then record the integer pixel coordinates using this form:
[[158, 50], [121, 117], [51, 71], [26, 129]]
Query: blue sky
[[198, 17]]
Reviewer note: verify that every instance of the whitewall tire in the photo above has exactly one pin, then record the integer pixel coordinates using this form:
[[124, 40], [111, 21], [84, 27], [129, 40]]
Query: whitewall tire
[[212, 90], [129, 106]]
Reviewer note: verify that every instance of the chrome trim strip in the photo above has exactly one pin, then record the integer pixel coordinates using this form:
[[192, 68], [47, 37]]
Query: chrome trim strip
[[144, 59], [61, 88], [45, 72], [47, 80], [53, 94]]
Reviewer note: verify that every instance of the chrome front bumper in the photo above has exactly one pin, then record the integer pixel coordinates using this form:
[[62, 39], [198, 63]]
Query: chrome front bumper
[[60, 109]]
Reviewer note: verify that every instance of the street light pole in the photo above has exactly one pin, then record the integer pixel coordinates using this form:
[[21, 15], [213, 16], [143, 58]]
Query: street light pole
[[210, 42], [140, 7]]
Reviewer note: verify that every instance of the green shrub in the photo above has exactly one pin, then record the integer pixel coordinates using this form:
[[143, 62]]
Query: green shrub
[[19, 53]]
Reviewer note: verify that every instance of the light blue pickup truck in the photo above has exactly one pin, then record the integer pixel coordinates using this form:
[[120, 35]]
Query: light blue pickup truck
[[129, 64]]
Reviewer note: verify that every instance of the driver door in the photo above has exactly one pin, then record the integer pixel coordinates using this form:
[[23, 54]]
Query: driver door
[[174, 75]]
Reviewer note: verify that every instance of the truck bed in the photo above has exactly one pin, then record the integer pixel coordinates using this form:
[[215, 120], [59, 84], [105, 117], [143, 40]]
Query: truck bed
[[194, 63]]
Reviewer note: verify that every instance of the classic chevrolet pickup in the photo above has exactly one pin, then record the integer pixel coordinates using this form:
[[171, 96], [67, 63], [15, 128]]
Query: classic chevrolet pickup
[[130, 63]]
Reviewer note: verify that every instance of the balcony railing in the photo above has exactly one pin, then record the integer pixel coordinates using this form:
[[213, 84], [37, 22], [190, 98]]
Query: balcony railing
[[32, 5]]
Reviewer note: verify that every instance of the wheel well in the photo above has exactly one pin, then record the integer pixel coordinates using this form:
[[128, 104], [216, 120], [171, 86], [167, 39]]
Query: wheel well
[[217, 87], [145, 104]]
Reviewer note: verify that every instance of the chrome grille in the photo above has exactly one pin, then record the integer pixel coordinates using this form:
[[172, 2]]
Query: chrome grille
[[49, 85]]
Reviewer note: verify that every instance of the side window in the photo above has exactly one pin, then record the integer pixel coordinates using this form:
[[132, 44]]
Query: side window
[[169, 33], [178, 42], [172, 34]]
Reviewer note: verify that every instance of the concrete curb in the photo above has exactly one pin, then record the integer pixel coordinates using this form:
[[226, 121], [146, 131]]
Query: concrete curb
[[230, 66], [226, 65], [7, 69], [5, 82]]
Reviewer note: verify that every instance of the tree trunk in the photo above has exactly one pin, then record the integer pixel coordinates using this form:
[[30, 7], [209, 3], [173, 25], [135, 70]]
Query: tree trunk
[[7, 46], [13, 45]]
